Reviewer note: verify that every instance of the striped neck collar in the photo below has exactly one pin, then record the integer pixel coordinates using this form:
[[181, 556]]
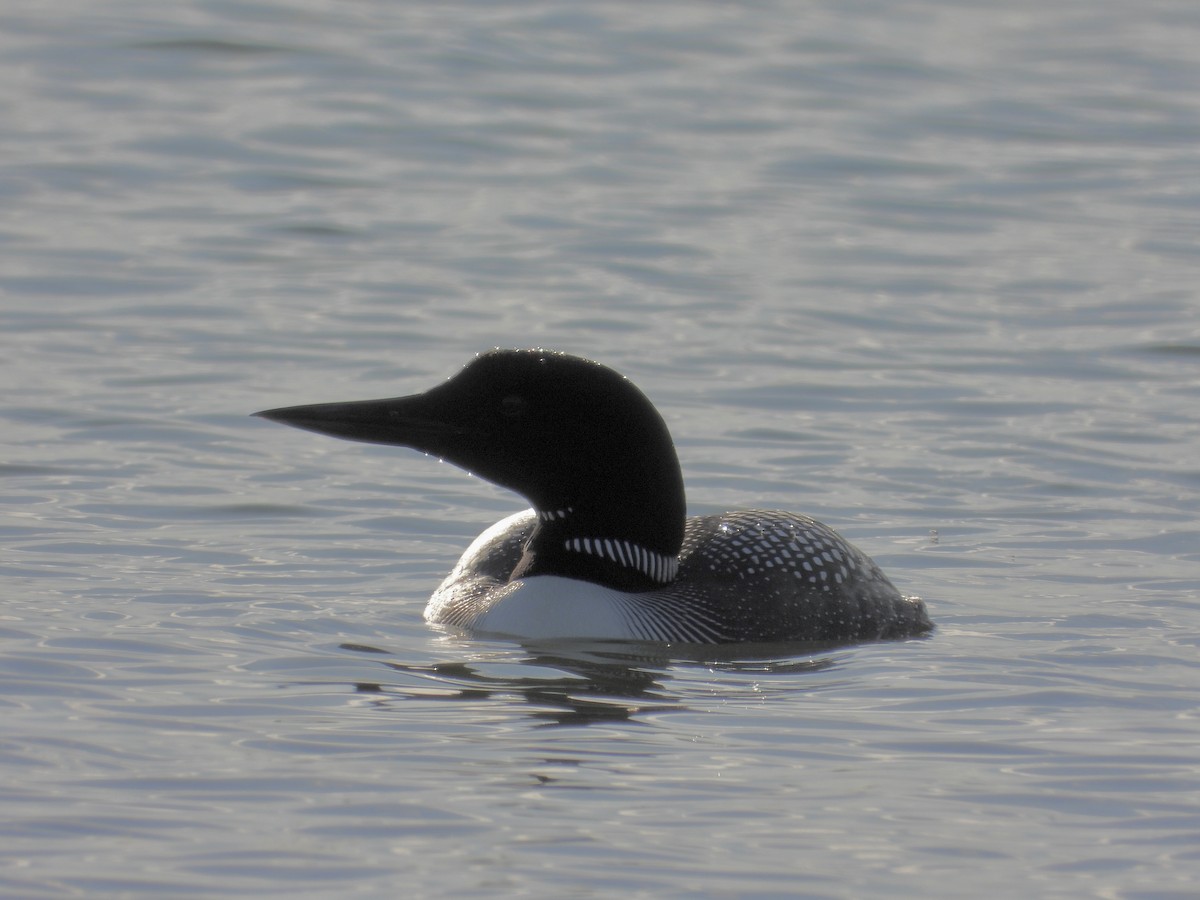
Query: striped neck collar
[[658, 567], [654, 566]]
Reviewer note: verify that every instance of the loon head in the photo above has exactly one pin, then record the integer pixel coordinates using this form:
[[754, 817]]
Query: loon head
[[579, 441]]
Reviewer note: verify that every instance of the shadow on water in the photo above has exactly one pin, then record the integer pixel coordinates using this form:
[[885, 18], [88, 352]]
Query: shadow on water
[[580, 683]]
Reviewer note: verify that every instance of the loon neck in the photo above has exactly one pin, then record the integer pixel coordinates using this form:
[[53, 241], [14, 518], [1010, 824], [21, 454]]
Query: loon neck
[[564, 543]]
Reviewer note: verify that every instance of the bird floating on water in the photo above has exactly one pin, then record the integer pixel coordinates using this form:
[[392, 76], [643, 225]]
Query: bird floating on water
[[608, 551]]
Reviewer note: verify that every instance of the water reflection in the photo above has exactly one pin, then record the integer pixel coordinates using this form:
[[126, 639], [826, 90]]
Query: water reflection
[[581, 683]]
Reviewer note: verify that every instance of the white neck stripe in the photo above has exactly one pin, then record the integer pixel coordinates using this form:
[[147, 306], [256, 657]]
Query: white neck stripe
[[657, 566]]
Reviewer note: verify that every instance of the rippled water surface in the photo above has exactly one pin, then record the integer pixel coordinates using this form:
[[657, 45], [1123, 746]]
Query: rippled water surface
[[924, 270]]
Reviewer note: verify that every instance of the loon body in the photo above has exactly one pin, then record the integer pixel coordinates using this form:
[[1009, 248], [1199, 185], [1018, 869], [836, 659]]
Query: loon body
[[607, 551]]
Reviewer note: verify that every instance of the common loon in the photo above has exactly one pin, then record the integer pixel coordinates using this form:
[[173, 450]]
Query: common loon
[[607, 551]]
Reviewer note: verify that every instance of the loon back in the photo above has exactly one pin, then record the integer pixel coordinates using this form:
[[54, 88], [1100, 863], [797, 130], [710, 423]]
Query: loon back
[[607, 551]]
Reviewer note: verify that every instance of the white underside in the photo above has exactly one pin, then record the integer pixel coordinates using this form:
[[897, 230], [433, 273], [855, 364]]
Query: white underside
[[549, 606]]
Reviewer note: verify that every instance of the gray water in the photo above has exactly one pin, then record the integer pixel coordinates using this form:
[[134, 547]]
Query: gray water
[[924, 270]]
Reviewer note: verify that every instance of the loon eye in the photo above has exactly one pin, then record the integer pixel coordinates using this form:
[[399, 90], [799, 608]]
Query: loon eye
[[512, 406]]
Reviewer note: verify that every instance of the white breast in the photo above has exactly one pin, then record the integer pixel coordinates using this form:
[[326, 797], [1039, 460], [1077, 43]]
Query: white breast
[[475, 597], [549, 606]]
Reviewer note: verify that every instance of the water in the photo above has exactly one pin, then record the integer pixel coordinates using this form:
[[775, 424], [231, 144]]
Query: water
[[923, 270]]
